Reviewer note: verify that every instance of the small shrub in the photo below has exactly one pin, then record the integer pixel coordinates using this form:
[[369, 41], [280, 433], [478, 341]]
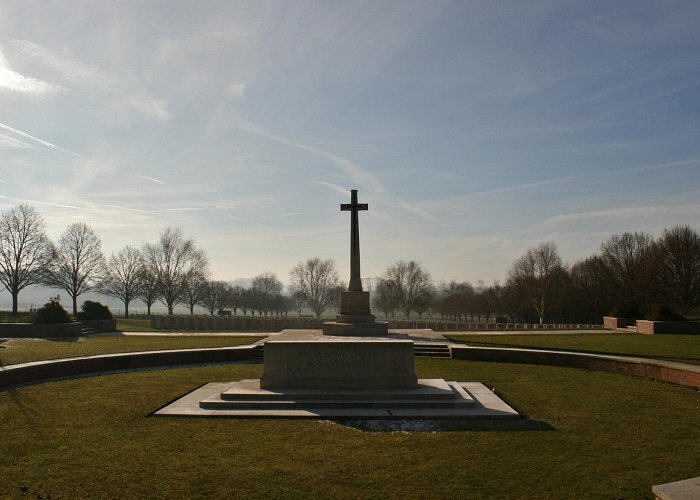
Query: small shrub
[[52, 312], [662, 312], [94, 310]]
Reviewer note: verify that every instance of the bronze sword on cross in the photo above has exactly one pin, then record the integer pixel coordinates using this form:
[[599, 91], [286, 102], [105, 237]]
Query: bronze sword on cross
[[353, 207]]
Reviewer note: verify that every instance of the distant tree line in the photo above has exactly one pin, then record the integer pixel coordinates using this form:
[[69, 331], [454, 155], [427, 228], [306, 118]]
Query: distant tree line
[[633, 275]]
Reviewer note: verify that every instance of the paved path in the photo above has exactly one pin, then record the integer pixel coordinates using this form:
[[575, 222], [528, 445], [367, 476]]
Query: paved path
[[411, 334]]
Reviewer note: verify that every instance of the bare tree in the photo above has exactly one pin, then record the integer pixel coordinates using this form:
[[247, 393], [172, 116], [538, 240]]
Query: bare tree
[[215, 296], [25, 250], [410, 285], [234, 298], [124, 276], [149, 293], [456, 299], [316, 280], [492, 297], [194, 292], [79, 263], [626, 260], [384, 299], [535, 276], [175, 263], [679, 270], [590, 294], [265, 287]]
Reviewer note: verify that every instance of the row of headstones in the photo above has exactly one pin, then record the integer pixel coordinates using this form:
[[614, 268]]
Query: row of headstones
[[232, 323], [189, 322], [464, 326]]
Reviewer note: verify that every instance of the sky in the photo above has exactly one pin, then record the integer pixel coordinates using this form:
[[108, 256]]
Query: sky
[[473, 129]]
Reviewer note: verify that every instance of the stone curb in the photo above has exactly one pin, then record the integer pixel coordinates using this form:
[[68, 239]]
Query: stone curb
[[40, 371], [665, 371]]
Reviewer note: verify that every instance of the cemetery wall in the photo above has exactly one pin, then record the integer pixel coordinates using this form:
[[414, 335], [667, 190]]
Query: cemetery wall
[[686, 375], [669, 327], [31, 330], [25, 373], [237, 323]]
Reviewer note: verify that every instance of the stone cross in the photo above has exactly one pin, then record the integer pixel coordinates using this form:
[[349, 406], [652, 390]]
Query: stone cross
[[353, 207]]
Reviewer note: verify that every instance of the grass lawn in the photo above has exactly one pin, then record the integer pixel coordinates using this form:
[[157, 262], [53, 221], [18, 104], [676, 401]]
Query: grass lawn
[[613, 437], [23, 350], [680, 348]]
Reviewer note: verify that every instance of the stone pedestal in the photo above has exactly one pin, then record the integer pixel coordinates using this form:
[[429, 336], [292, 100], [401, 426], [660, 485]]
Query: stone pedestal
[[339, 364], [355, 318]]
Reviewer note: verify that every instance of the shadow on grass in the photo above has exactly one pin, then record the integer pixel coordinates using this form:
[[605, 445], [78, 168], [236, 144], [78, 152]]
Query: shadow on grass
[[474, 425], [62, 339], [678, 359]]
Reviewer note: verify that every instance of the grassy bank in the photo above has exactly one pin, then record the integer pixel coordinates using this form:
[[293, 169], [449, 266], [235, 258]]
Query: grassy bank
[[679, 348], [612, 437], [23, 350]]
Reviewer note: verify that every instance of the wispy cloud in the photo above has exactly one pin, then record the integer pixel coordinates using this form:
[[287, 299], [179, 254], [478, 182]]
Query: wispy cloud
[[122, 91], [15, 82], [334, 187], [638, 213], [40, 141], [152, 179], [10, 142], [351, 170], [237, 89]]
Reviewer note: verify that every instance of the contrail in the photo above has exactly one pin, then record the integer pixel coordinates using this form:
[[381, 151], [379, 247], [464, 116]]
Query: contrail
[[42, 142]]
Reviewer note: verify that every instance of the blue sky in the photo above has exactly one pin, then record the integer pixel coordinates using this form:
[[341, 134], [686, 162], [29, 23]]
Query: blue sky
[[474, 130]]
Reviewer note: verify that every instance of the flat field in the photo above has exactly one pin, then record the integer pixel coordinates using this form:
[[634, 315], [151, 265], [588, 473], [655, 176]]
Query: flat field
[[599, 435], [679, 348], [24, 350]]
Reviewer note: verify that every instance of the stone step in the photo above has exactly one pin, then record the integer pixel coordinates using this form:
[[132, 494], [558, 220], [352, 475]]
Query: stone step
[[431, 350], [430, 394], [249, 389], [420, 350]]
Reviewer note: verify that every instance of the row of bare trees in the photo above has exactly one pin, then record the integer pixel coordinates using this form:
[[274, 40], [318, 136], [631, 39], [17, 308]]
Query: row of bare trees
[[633, 274], [76, 264]]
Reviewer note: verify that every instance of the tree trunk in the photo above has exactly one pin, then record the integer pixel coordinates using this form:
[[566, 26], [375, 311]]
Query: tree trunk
[[14, 303], [75, 305], [126, 309]]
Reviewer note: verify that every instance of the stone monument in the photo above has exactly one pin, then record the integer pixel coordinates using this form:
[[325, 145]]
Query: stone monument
[[352, 369], [355, 318]]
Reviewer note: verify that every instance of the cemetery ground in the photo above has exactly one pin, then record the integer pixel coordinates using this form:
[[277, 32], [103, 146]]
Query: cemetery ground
[[594, 434], [678, 348]]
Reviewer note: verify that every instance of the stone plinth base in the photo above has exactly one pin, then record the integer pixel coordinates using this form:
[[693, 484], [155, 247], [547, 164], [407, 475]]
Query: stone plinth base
[[346, 329], [354, 303], [431, 399], [339, 364], [355, 318]]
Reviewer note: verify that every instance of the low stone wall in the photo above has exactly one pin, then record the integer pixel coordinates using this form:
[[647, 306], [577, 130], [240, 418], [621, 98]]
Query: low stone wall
[[613, 323], [675, 373], [25, 373], [38, 371], [669, 327], [447, 326], [104, 325], [189, 322], [31, 330], [233, 323]]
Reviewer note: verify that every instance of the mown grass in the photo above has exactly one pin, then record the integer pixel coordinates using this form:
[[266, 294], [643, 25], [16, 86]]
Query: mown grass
[[613, 437], [679, 348], [24, 350]]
